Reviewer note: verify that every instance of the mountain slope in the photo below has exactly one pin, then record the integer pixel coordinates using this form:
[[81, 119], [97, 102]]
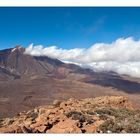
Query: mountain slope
[[29, 81]]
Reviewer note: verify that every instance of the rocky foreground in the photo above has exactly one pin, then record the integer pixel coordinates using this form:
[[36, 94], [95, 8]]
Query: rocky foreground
[[108, 114]]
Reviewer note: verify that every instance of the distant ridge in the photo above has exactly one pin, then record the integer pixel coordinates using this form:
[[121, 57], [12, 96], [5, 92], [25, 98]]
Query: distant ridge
[[29, 81]]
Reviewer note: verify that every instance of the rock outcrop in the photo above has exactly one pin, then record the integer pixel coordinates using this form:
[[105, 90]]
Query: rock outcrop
[[72, 116]]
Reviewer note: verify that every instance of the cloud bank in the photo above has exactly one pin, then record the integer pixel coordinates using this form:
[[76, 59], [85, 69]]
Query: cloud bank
[[121, 56]]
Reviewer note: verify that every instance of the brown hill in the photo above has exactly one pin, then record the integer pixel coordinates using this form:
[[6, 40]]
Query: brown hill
[[15, 62], [109, 114], [29, 81]]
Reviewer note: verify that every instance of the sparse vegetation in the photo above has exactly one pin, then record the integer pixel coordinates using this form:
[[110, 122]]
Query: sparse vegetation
[[90, 112], [32, 114], [108, 111], [125, 121], [76, 116], [112, 126]]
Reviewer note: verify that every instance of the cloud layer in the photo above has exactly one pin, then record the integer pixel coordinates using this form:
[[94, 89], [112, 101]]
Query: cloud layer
[[121, 56]]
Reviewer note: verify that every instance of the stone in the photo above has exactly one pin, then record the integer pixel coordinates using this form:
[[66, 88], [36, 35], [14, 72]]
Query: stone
[[41, 128], [54, 119], [25, 129], [67, 126], [56, 103], [90, 129]]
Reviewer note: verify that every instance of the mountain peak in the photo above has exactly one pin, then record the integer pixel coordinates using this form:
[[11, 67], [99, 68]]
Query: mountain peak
[[18, 47]]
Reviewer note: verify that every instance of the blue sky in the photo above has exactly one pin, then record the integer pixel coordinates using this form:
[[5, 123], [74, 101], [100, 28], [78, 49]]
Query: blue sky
[[66, 27]]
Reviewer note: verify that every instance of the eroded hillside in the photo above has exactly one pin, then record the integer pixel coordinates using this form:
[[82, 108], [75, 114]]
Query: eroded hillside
[[106, 114]]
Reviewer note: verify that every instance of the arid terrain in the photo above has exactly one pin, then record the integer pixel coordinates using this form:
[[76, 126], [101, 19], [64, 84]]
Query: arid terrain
[[106, 114], [29, 81]]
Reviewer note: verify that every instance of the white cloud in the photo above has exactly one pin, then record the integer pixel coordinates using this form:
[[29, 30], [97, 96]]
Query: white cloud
[[121, 56]]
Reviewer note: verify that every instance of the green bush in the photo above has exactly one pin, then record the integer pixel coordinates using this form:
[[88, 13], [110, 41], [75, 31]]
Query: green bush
[[31, 114], [102, 111], [76, 116], [90, 112], [125, 121]]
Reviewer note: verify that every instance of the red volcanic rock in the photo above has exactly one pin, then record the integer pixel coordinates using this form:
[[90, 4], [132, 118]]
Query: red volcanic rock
[[71, 116], [66, 126]]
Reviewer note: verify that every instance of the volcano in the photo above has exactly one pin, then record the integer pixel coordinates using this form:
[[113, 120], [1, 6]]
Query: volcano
[[17, 65], [29, 81]]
